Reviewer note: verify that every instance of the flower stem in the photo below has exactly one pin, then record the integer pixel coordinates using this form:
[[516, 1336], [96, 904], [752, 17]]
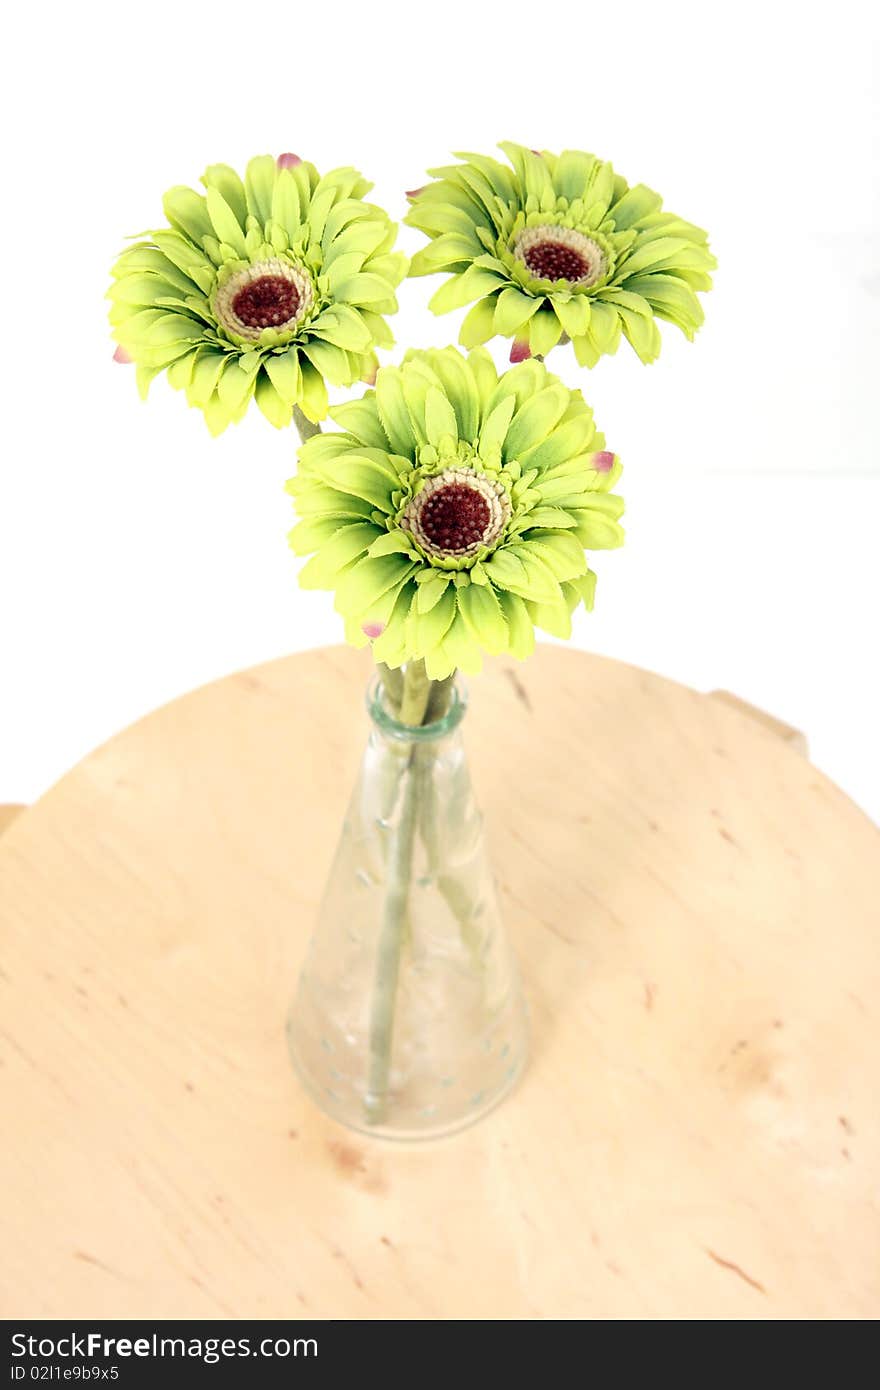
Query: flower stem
[[439, 699], [392, 685], [413, 710], [306, 428]]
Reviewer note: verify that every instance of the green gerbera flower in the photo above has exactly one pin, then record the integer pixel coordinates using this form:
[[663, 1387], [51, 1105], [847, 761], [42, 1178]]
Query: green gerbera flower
[[558, 245], [452, 515], [266, 288]]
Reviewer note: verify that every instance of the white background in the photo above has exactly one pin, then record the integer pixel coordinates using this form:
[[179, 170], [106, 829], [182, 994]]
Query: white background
[[139, 558]]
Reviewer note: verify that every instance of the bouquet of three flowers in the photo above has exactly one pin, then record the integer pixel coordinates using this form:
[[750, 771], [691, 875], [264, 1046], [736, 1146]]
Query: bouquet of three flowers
[[453, 510]]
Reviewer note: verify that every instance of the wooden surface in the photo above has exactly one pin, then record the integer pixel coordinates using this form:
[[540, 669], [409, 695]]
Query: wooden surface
[[8, 814], [790, 735], [695, 908]]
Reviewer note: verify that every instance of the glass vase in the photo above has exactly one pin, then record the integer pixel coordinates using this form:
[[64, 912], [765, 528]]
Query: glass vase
[[409, 1020]]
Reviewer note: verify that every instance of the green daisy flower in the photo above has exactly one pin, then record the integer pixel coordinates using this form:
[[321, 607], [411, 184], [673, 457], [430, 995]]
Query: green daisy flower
[[558, 247], [453, 514], [267, 288]]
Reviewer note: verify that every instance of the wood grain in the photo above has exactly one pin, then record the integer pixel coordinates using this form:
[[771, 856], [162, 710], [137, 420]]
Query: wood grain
[[695, 908]]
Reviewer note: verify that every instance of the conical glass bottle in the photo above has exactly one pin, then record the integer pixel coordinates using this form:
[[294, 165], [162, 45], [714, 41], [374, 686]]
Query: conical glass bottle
[[409, 1020]]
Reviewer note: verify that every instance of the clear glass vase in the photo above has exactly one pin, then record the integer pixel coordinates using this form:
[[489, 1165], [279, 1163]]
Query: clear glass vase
[[409, 1020]]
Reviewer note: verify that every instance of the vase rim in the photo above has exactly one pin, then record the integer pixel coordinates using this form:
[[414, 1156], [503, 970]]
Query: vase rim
[[416, 733]]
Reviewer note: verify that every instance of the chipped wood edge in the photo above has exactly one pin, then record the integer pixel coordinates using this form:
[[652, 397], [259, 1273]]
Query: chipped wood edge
[[793, 737]]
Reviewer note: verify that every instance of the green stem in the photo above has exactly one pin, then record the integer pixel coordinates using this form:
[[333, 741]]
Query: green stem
[[454, 890], [305, 428], [388, 955], [393, 768], [455, 893], [413, 709], [416, 694], [440, 699], [392, 686]]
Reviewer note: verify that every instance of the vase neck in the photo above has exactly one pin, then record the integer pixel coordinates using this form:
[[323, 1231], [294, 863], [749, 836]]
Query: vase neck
[[381, 709]]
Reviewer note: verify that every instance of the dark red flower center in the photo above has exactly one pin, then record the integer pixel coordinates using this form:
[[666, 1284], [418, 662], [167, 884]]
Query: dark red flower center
[[267, 302], [553, 260], [455, 517]]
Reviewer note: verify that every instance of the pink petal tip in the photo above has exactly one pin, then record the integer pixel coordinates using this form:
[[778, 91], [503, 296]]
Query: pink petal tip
[[288, 161], [120, 355], [370, 376], [414, 192], [373, 630], [603, 462], [520, 351]]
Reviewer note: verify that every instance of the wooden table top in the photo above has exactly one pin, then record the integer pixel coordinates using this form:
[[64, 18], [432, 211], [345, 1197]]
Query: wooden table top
[[696, 912]]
